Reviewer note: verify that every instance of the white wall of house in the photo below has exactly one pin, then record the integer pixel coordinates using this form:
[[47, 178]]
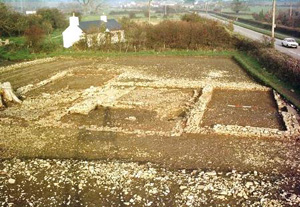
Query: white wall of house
[[73, 33]]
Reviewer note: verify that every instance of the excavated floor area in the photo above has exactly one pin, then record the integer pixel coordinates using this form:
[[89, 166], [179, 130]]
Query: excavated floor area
[[146, 131]]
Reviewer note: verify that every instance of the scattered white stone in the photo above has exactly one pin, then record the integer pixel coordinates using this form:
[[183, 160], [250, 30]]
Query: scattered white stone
[[11, 181], [131, 118], [249, 184], [182, 187], [212, 173]]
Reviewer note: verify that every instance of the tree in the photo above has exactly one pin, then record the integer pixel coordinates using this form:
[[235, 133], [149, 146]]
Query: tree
[[90, 6], [8, 19], [132, 15], [238, 5], [53, 16]]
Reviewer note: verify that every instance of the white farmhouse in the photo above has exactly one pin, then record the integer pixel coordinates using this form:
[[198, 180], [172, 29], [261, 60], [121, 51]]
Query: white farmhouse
[[90, 29]]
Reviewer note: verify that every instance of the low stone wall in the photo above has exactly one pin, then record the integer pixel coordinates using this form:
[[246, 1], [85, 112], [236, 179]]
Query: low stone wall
[[96, 96], [290, 116], [25, 64], [185, 84], [180, 125], [196, 114], [247, 131], [25, 89]]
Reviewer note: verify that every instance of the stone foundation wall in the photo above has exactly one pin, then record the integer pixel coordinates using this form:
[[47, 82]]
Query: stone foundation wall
[[25, 64]]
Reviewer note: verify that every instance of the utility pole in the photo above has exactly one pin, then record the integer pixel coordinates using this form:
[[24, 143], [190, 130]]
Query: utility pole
[[149, 12], [22, 7], [291, 10], [273, 20]]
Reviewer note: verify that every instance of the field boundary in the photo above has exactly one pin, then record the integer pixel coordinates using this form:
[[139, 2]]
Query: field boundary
[[269, 79]]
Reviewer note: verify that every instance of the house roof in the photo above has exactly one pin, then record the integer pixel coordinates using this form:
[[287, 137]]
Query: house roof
[[111, 25]]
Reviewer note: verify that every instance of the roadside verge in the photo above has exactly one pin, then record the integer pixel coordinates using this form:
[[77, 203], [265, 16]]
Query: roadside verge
[[252, 67]]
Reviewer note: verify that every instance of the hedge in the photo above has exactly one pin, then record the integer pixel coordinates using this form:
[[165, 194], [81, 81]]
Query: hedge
[[295, 32]]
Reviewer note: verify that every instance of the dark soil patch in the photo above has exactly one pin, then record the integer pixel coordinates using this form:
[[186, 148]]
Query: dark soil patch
[[74, 83], [36, 73], [132, 119], [243, 108]]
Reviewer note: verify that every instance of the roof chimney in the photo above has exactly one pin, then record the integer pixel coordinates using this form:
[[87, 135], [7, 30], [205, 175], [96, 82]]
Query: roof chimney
[[74, 21], [103, 18]]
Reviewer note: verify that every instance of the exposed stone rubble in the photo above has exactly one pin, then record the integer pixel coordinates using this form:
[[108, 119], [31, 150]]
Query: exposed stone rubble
[[112, 94], [185, 84], [72, 182], [290, 116], [181, 124], [197, 112], [137, 132], [149, 119], [25, 89], [25, 64], [247, 131], [98, 96]]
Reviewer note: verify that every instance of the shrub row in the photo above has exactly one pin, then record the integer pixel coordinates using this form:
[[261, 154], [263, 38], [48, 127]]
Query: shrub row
[[283, 66], [191, 33]]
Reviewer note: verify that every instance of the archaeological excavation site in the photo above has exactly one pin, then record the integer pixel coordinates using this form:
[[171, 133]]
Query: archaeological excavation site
[[145, 131]]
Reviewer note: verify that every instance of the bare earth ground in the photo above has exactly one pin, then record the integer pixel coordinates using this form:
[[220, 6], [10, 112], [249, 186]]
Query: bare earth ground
[[146, 131]]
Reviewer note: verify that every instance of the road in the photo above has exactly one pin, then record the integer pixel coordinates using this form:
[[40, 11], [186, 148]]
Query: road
[[295, 53]]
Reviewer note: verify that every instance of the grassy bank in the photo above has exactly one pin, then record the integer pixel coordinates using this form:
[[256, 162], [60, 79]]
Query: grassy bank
[[253, 68], [18, 51]]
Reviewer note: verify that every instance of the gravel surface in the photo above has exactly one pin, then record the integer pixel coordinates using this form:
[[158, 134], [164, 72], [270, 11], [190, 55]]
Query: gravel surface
[[49, 183], [127, 132]]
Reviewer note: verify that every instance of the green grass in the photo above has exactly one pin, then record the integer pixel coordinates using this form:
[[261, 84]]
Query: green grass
[[257, 9], [18, 54], [18, 51], [140, 17], [71, 53]]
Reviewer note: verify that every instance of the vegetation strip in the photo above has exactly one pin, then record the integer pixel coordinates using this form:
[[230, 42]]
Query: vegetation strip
[[268, 79]]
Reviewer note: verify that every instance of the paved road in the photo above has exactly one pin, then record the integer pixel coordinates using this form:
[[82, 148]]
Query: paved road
[[258, 36]]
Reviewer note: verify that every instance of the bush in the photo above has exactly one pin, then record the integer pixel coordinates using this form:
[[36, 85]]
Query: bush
[[34, 37], [81, 45], [188, 35], [132, 15], [283, 66], [192, 34], [54, 16]]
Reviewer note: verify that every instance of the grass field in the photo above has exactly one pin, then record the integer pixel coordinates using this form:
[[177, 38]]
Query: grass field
[[247, 14], [140, 17]]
